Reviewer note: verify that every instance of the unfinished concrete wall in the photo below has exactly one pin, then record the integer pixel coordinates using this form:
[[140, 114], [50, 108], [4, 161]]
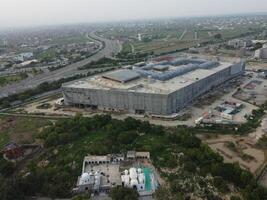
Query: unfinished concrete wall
[[117, 99], [161, 104], [186, 95]]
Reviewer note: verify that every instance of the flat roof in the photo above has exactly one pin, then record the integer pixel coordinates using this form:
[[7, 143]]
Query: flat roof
[[143, 84], [122, 76], [97, 158]]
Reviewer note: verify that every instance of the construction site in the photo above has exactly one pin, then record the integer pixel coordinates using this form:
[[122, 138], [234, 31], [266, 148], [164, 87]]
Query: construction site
[[175, 101], [157, 88]]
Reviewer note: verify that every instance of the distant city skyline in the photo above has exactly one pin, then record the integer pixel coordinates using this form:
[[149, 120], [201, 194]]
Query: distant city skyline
[[16, 13]]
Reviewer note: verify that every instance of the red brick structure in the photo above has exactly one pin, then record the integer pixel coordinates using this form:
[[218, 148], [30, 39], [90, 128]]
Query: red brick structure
[[13, 151]]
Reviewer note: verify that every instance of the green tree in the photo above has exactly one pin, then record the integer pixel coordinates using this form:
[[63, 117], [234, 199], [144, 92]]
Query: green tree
[[123, 193]]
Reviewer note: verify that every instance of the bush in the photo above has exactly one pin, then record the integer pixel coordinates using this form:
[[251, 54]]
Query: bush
[[123, 193]]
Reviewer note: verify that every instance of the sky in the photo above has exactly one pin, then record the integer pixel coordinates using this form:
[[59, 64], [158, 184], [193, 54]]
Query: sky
[[51, 12]]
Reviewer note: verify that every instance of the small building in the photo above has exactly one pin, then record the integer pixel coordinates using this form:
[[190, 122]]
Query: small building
[[13, 151], [264, 125], [134, 178], [131, 155], [89, 181], [239, 43], [116, 158], [261, 53], [23, 56], [142, 155], [89, 160], [263, 74]]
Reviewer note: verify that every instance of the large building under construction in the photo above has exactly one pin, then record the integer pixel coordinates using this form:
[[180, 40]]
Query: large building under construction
[[158, 88]]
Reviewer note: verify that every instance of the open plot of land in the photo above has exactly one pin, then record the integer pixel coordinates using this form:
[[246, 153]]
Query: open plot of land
[[189, 35], [19, 129], [163, 46], [255, 92], [237, 149], [263, 179], [203, 35]]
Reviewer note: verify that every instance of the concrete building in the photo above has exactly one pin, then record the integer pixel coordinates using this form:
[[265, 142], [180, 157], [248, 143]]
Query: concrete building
[[12, 151], [134, 178], [239, 43], [261, 53], [24, 56], [88, 160], [159, 88]]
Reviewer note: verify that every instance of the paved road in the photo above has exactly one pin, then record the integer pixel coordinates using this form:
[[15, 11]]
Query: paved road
[[183, 34], [110, 48]]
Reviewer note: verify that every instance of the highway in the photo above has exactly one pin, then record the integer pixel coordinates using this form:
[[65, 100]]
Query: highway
[[110, 48]]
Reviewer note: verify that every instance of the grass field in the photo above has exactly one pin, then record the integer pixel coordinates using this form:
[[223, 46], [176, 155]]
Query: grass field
[[189, 36], [47, 55], [72, 39], [165, 38], [20, 129], [127, 48], [158, 46], [203, 35], [5, 80]]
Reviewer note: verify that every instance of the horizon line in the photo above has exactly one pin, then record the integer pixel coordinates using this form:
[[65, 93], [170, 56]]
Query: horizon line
[[33, 26]]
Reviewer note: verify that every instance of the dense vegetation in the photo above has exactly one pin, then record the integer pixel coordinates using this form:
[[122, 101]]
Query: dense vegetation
[[104, 63], [4, 80], [137, 57], [108, 62], [68, 141], [123, 193]]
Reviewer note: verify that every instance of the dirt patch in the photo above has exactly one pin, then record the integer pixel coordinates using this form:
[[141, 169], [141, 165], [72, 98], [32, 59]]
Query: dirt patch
[[241, 150], [7, 122], [263, 179]]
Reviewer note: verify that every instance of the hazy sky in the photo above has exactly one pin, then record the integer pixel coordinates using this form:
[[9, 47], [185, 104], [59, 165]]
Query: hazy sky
[[39, 12]]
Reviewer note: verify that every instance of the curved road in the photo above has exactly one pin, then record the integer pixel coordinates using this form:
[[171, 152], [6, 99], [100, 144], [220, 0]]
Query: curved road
[[111, 47]]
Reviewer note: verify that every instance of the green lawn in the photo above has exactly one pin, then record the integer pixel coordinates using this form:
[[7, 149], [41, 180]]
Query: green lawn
[[48, 55]]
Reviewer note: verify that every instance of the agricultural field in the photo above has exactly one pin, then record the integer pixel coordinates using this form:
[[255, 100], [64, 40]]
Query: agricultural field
[[164, 37], [77, 39], [203, 34], [158, 46]]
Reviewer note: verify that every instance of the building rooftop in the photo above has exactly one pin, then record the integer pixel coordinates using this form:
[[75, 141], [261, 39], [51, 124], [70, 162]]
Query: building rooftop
[[122, 76], [132, 81], [97, 158]]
